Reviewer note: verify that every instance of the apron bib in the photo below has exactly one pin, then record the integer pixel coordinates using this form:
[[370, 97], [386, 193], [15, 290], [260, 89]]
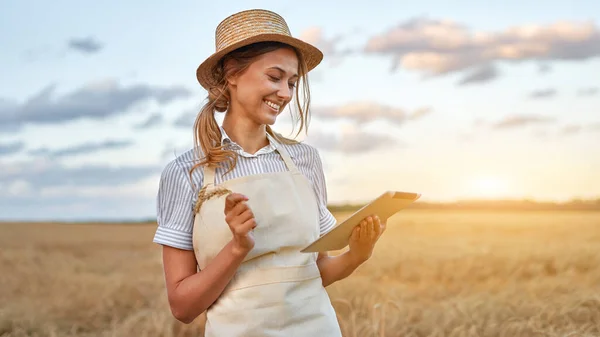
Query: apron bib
[[277, 290]]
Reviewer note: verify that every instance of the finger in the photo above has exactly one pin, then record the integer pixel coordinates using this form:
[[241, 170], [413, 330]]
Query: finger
[[377, 227], [233, 199], [240, 208], [355, 233], [245, 215], [248, 225], [363, 230], [244, 228], [236, 211], [370, 229]]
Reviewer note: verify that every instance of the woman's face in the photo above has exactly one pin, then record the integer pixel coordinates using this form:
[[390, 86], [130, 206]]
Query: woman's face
[[262, 91]]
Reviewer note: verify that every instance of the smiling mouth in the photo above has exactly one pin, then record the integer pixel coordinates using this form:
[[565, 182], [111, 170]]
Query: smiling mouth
[[273, 106]]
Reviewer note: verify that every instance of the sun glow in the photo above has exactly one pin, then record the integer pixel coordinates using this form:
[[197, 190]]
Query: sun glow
[[488, 186]]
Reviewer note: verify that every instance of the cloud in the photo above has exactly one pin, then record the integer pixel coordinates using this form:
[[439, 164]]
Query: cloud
[[483, 74], [186, 120], [543, 93], [46, 190], [509, 122], [437, 47], [85, 148], [544, 68], [315, 36], [97, 101], [173, 149], [516, 121], [329, 46], [34, 206], [571, 129], [351, 141], [541, 134], [87, 45], [365, 112], [567, 130], [23, 201], [153, 120], [43, 173], [587, 92], [7, 106], [465, 137], [594, 127], [8, 149], [420, 113], [36, 53]]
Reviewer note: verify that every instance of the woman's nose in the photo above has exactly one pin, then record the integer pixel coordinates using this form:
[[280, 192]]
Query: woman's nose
[[284, 92]]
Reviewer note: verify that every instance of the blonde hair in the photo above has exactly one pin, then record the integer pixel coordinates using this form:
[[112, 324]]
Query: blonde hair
[[207, 135]]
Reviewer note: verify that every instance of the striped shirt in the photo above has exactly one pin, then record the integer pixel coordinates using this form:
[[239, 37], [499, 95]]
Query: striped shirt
[[177, 193]]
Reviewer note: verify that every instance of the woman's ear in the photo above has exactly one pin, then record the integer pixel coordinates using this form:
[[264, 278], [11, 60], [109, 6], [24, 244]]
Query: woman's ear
[[232, 80]]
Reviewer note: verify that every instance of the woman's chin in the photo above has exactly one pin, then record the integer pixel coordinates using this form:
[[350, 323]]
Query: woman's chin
[[268, 120]]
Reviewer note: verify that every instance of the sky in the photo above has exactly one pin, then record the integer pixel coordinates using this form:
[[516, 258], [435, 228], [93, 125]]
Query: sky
[[453, 100]]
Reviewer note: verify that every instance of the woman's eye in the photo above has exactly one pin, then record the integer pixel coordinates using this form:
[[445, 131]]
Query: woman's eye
[[277, 79]]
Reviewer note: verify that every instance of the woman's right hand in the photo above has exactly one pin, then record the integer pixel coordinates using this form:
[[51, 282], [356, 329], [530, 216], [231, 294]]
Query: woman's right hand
[[240, 219]]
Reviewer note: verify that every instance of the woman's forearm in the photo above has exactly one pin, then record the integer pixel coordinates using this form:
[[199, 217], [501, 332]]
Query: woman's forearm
[[194, 294], [335, 268]]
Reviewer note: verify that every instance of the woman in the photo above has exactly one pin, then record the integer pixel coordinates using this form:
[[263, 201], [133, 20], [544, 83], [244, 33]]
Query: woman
[[235, 211]]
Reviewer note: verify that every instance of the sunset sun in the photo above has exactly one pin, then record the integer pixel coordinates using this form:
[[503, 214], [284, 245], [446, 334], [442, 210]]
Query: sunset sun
[[488, 186]]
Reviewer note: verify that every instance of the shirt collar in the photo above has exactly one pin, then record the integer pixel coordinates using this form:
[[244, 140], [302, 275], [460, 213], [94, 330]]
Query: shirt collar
[[225, 140]]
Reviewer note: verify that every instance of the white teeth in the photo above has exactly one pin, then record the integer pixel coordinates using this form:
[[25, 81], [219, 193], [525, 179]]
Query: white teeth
[[272, 105]]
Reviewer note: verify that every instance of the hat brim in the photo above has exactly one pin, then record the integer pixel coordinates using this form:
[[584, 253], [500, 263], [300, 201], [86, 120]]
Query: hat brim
[[311, 54]]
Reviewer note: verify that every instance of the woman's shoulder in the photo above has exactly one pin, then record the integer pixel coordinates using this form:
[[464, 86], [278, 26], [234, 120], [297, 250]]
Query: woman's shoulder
[[304, 154], [183, 163]]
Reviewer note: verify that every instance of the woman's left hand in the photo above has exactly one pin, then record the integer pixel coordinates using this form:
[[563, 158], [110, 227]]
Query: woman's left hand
[[364, 236]]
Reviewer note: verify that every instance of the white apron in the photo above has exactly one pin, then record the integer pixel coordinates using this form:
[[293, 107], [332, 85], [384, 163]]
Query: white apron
[[277, 290]]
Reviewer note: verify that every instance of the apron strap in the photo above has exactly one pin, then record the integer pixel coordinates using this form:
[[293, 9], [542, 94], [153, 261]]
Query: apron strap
[[284, 155], [209, 176]]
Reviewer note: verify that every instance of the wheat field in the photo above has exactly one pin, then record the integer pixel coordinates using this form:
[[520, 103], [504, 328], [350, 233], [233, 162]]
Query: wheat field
[[433, 273]]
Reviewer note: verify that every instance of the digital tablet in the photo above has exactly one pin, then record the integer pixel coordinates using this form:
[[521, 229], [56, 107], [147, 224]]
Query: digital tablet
[[386, 205]]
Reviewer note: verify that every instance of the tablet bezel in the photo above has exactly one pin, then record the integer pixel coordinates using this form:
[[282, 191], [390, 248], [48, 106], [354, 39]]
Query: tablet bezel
[[346, 226]]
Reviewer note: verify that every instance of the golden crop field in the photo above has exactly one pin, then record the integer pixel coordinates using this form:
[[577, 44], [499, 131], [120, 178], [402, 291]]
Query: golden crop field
[[434, 273]]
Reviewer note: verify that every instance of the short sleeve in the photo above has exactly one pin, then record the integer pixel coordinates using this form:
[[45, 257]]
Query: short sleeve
[[174, 203], [326, 220]]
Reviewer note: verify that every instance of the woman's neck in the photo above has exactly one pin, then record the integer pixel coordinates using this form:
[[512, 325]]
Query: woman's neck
[[250, 136]]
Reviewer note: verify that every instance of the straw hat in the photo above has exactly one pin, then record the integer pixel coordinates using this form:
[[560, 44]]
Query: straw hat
[[251, 26]]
